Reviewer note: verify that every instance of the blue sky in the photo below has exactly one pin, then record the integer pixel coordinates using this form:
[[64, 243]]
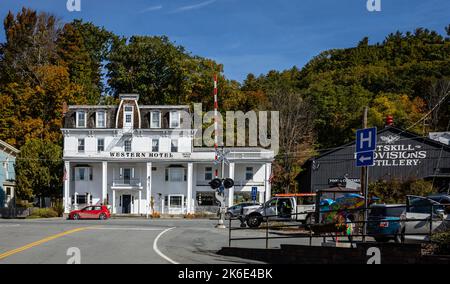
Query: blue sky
[[252, 36]]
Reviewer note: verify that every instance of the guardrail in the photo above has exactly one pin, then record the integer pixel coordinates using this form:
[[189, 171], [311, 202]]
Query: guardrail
[[359, 228]]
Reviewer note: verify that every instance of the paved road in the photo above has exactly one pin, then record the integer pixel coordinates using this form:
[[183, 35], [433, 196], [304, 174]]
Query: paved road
[[120, 241]]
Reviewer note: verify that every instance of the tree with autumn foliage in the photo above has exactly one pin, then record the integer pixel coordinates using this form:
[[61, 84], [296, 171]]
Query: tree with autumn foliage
[[39, 170]]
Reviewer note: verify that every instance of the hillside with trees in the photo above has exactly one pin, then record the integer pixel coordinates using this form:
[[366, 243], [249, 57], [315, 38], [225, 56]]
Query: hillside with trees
[[45, 63]]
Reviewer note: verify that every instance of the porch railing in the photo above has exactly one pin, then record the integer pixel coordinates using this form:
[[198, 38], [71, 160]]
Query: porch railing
[[127, 182]]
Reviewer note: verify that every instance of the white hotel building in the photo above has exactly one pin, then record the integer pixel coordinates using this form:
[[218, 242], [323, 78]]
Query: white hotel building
[[139, 160]]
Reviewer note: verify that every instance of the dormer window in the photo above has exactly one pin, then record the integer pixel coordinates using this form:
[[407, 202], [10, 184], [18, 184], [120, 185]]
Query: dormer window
[[128, 117], [174, 119], [101, 119], [81, 119], [155, 119]]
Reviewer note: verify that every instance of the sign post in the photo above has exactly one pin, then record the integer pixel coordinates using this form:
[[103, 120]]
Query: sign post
[[366, 144]]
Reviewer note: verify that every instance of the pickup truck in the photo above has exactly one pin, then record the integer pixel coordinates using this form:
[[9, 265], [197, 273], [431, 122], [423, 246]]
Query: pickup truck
[[424, 215], [283, 208]]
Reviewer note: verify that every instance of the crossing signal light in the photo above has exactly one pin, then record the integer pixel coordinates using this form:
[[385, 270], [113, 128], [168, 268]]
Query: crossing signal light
[[215, 183], [228, 183]]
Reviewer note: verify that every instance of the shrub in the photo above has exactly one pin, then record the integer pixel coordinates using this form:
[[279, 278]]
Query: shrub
[[395, 191], [197, 215], [58, 207], [442, 242], [44, 213], [155, 215]]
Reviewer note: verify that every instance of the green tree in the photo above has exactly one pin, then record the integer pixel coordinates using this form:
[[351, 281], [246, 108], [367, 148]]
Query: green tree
[[83, 48], [164, 73], [401, 107], [39, 170]]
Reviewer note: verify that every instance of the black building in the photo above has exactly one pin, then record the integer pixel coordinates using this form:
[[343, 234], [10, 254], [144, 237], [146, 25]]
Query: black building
[[400, 155]]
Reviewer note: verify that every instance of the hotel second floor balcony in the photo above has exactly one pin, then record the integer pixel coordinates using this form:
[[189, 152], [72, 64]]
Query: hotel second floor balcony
[[127, 183]]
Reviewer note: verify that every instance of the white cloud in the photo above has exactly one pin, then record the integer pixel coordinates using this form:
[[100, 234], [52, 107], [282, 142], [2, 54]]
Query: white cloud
[[152, 8], [194, 6]]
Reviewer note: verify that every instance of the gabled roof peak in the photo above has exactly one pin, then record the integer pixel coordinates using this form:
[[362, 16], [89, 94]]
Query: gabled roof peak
[[8, 148]]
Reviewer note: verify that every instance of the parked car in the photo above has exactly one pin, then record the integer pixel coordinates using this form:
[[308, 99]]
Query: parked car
[[441, 198], [384, 222], [283, 207], [424, 215], [100, 212], [238, 209]]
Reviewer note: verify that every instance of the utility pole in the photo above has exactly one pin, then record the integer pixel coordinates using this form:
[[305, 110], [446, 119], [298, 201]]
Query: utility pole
[[365, 182]]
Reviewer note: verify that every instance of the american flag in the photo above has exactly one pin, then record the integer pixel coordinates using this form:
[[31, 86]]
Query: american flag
[[65, 174]]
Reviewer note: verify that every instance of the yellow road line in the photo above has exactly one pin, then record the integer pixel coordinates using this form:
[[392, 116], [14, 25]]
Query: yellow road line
[[40, 242]]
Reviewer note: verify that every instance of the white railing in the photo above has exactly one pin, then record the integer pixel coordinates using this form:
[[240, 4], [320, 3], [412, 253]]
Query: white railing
[[127, 182]]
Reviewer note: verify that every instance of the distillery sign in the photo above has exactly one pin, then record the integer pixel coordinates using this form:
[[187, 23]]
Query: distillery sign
[[391, 154]]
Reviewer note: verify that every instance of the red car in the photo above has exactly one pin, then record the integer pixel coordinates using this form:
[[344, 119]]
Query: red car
[[91, 212]]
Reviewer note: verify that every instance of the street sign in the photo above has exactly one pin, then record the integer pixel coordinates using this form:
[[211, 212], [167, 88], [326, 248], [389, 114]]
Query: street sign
[[365, 159], [366, 144], [366, 140], [254, 193]]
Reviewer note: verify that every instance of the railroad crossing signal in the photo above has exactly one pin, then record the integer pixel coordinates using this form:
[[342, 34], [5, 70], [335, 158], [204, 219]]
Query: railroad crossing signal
[[222, 157]]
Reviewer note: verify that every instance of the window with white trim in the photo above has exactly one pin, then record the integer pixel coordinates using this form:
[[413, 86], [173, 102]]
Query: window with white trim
[[5, 167], [174, 146], [208, 173], [155, 119], [83, 174], [174, 119], [249, 173], [155, 145], [176, 174], [100, 144], [81, 145], [81, 119], [127, 146], [101, 119], [128, 117]]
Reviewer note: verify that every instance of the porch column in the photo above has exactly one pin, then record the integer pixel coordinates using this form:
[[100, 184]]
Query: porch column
[[231, 190], [189, 203], [75, 201], [139, 202], [149, 206], [267, 185], [104, 200], [114, 201], [66, 187]]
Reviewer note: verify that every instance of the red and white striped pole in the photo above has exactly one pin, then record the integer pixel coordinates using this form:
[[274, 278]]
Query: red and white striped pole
[[216, 125]]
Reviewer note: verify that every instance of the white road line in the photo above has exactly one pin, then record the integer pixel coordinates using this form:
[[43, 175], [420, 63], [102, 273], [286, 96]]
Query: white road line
[[9, 225], [128, 229], [155, 246]]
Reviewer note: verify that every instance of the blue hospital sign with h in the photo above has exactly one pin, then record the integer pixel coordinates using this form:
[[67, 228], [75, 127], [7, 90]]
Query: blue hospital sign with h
[[366, 140]]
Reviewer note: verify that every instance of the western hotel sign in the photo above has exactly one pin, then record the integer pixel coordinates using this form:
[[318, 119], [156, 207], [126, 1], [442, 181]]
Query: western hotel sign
[[141, 155]]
